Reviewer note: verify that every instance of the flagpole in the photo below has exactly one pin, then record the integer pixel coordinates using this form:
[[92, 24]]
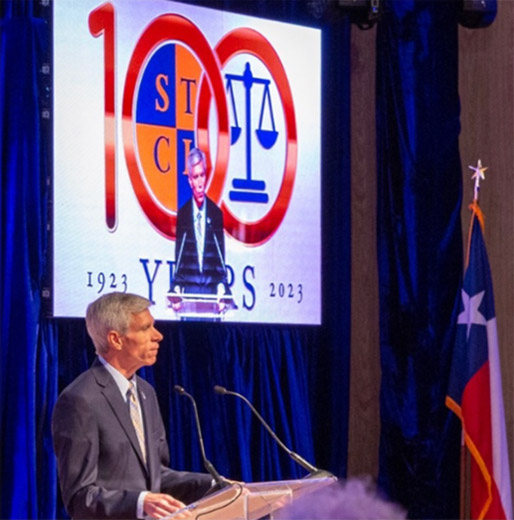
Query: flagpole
[[463, 480], [475, 391], [476, 212]]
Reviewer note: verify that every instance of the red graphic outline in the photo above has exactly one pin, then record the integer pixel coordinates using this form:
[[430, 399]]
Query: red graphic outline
[[173, 27], [101, 21], [249, 41]]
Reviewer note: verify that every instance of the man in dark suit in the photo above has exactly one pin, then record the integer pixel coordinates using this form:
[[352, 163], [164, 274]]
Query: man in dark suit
[[200, 245], [108, 434]]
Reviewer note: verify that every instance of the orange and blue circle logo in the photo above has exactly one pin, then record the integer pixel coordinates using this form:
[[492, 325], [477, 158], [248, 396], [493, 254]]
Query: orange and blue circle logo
[[175, 80]]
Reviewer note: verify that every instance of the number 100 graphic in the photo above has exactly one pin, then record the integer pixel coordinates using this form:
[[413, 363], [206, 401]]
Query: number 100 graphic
[[174, 79]]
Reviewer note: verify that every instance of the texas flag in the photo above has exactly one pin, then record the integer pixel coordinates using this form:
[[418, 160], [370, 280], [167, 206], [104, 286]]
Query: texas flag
[[475, 389]]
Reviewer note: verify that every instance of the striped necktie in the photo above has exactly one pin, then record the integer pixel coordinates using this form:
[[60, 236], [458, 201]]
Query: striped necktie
[[135, 415]]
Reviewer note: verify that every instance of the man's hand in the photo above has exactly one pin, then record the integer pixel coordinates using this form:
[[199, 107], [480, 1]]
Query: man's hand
[[177, 304], [159, 505]]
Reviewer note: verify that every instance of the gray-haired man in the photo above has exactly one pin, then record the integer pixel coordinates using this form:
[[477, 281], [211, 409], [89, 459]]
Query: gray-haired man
[[107, 428]]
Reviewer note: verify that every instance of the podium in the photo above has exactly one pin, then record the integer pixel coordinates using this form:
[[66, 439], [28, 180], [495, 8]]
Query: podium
[[241, 501], [193, 305]]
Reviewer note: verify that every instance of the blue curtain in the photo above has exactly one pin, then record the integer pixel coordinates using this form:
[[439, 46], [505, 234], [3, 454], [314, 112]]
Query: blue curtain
[[296, 376], [28, 370], [419, 252]]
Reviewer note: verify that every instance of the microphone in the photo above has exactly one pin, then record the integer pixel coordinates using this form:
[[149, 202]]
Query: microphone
[[222, 482], [180, 251], [223, 265], [313, 471], [220, 256], [218, 248]]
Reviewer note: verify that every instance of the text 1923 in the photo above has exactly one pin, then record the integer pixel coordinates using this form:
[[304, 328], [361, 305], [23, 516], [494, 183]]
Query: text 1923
[[102, 281]]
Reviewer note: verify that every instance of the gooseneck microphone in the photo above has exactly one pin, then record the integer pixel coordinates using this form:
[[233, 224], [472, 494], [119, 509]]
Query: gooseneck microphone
[[179, 258], [222, 482], [220, 256], [313, 471]]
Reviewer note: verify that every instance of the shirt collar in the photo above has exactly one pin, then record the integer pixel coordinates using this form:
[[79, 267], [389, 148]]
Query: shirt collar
[[121, 381], [200, 209]]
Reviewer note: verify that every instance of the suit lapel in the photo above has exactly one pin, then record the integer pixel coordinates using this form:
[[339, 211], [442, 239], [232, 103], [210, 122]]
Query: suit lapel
[[151, 453], [119, 407]]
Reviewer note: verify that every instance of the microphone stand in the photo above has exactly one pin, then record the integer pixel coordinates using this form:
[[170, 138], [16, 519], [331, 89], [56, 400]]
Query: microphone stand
[[313, 471], [222, 482]]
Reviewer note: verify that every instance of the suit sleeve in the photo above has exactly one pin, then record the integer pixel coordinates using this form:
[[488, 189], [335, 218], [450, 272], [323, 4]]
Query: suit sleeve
[[76, 444], [185, 485]]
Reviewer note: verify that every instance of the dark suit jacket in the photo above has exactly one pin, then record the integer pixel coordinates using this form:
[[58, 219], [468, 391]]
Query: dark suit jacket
[[100, 466], [187, 270]]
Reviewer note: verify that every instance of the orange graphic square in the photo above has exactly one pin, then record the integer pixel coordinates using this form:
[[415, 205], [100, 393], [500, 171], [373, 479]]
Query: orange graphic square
[[157, 147]]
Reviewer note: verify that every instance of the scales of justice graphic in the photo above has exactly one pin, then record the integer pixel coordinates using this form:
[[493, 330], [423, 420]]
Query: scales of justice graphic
[[249, 189]]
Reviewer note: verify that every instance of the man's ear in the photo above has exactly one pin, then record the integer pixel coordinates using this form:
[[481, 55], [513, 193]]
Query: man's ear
[[114, 340]]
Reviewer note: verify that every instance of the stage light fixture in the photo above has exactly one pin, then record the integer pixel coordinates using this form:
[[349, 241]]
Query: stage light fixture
[[363, 13]]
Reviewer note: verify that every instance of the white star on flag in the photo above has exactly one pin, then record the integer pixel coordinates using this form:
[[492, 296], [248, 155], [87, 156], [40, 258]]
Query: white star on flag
[[471, 315]]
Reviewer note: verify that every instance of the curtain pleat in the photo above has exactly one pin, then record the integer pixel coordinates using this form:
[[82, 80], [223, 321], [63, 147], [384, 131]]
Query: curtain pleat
[[28, 368], [419, 252]]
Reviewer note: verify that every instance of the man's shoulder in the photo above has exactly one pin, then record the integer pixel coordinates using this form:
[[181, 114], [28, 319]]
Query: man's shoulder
[[185, 215], [77, 397], [185, 207], [82, 380], [212, 207], [87, 381], [212, 204]]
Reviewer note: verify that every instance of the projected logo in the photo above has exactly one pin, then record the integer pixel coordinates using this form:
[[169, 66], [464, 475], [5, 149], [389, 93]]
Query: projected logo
[[234, 102]]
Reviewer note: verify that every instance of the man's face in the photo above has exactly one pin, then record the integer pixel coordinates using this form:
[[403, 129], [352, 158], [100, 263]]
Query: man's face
[[140, 343], [197, 182]]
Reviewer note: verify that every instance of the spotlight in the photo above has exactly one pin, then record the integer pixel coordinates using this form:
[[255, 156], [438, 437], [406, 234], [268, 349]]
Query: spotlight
[[363, 13]]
